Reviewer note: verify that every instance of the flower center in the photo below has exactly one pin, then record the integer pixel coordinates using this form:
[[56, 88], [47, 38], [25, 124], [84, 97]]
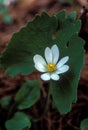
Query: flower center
[[51, 67]]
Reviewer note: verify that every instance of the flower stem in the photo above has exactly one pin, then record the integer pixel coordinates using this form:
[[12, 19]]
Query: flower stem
[[45, 106], [12, 110]]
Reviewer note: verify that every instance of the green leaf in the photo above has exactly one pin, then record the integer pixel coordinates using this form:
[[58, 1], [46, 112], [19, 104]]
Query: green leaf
[[66, 30], [72, 16], [64, 91], [28, 95], [32, 39], [18, 122], [7, 19], [1, 1], [26, 128], [66, 1], [5, 101], [3, 10], [84, 124], [61, 16]]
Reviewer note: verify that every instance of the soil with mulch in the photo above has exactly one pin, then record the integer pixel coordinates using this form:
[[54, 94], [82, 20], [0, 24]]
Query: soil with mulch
[[22, 12]]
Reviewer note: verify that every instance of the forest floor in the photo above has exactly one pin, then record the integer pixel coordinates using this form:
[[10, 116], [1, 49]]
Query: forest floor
[[24, 11]]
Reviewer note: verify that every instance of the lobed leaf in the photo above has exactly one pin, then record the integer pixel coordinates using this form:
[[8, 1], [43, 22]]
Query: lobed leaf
[[64, 91], [34, 38]]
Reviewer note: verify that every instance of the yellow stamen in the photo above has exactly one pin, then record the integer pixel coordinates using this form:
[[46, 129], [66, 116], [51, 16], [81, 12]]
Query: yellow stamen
[[51, 67]]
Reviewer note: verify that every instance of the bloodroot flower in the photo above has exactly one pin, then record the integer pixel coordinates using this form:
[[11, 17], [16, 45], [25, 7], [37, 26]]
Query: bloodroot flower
[[50, 66]]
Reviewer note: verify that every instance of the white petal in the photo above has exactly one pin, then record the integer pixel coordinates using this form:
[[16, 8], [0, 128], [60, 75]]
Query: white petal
[[62, 69], [39, 60], [40, 68], [55, 76], [45, 76], [62, 61], [55, 52], [48, 55]]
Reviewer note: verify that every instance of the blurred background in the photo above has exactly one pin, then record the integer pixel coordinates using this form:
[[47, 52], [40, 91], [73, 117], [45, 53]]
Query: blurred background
[[14, 14]]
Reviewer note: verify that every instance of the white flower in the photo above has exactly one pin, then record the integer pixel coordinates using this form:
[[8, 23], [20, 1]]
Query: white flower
[[50, 66]]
